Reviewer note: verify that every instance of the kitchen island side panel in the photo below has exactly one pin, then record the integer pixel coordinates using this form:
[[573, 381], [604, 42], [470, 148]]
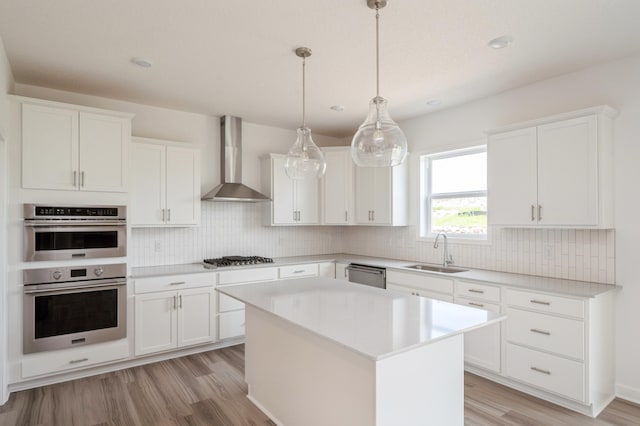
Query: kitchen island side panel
[[297, 377]]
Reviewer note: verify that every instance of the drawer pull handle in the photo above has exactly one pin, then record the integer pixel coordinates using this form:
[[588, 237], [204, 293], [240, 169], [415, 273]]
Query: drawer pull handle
[[299, 271], [535, 330], [547, 372], [480, 305], [76, 361], [473, 290], [178, 283], [540, 302]]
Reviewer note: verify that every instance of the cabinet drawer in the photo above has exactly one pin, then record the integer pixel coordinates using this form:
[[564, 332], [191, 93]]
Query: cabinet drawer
[[226, 303], [549, 372], [478, 291], [554, 334], [231, 324], [69, 359], [546, 303], [421, 281], [491, 307], [296, 271], [424, 293], [174, 282], [248, 275]]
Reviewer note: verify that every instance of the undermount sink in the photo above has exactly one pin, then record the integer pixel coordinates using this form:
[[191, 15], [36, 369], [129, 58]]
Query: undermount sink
[[437, 268]]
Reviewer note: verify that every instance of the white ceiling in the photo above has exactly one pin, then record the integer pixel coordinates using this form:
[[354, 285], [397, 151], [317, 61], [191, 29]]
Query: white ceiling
[[236, 57]]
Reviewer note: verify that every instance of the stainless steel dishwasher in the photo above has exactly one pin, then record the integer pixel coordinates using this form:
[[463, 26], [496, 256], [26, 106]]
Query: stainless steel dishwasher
[[367, 275]]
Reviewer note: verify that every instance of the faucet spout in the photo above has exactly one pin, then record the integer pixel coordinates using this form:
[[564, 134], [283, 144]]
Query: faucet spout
[[447, 259]]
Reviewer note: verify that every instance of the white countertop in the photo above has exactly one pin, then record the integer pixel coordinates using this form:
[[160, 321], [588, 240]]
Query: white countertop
[[372, 322], [531, 282]]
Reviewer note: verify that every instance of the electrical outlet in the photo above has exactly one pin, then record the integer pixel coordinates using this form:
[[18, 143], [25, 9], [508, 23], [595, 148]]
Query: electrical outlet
[[157, 246], [549, 252]]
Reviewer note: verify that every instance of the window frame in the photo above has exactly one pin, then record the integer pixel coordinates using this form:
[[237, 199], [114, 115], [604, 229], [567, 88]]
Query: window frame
[[424, 230]]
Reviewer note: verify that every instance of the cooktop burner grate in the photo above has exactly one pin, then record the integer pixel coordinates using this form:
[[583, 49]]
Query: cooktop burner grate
[[237, 261]]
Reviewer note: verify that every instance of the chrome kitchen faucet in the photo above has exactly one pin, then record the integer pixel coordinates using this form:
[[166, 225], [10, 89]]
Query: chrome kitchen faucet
[[447, 259]]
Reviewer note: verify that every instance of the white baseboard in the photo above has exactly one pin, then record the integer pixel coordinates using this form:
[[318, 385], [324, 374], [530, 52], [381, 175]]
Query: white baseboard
[[628, 393]]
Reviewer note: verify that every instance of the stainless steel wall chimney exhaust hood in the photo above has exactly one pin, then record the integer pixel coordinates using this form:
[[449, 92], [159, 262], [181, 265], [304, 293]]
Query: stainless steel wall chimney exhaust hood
[[231, 188]]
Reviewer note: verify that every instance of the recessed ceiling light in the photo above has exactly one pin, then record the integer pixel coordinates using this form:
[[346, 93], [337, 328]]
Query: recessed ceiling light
[[338, 108], [434, 102], [501, 42], [142, 62]]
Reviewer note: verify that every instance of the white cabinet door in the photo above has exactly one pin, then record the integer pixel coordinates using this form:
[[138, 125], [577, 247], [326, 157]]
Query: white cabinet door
[[148, 184], [365, 193], [306, 200], [557, 173], [282, 194], [231, 324], [155, 322], [341, 271], [337, 190], [327, 269], [196, 316], [512, 177], [183, 186], [568, 172], [482, 347], [165, 184], [104, 142], [49, 147], [382, 195], [295, 202]]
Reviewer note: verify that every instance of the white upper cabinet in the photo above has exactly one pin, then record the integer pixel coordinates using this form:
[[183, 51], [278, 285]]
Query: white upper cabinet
[[165, 184], [381, 195], [294, 202], [68, 148], [337, 187], [553, 172]]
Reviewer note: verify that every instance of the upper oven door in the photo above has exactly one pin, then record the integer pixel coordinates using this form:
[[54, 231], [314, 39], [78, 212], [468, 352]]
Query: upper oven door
[[74, 240]]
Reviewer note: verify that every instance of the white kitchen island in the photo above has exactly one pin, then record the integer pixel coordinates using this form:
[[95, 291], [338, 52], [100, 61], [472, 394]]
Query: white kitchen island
[[325, 352]]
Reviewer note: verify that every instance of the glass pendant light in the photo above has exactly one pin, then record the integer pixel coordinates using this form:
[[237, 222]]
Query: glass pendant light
[[304, 160], [379, 142]]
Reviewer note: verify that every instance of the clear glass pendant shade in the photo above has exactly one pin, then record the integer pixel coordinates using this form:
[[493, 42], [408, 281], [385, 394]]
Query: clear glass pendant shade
[[379, 142], [305, 160]]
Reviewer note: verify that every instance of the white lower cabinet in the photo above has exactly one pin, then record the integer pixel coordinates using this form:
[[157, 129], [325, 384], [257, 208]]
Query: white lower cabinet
[[166, 320], [230, 311], [482, 347], [562, 345]]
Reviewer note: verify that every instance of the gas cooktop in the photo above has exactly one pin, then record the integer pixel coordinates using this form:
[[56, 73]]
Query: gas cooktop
[[236, 261]]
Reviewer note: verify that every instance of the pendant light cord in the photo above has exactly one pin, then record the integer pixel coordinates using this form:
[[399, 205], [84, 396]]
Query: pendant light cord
[[377, 51], [304, 120]]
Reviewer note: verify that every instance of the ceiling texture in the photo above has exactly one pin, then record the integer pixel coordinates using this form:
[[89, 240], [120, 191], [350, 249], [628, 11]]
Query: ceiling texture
[[237, 57]]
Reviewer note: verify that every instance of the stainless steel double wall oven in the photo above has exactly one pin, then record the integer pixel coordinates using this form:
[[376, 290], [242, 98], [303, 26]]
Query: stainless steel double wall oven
[[67, 306]]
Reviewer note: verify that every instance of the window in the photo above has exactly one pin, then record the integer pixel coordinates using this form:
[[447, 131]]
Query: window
[[454, 193]]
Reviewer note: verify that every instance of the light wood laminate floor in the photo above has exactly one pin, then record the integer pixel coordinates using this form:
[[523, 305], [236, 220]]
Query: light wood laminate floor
[[208, 389]]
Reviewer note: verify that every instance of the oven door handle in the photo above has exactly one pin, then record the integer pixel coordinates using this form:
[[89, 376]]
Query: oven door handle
[[75, 287], [70, 223]]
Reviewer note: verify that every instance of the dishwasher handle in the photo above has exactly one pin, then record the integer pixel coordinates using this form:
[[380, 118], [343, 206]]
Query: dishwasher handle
[[367, 269]]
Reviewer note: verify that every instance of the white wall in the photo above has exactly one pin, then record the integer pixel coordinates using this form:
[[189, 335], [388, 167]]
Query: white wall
[[6, 86], [617, 84]]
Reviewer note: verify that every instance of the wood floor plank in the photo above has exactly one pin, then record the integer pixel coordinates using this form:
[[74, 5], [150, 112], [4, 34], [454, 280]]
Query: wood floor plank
[[209, 389]]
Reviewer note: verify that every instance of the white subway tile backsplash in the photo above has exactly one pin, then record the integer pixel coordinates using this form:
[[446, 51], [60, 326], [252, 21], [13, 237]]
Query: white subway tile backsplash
[[569, 254], [236, 229]]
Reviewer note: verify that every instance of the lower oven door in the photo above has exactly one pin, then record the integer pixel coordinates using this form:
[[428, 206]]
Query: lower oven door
[[71, 316], [74, 240]]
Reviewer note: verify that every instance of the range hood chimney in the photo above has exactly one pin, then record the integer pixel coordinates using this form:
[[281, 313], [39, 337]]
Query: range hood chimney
[[231, 188]]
